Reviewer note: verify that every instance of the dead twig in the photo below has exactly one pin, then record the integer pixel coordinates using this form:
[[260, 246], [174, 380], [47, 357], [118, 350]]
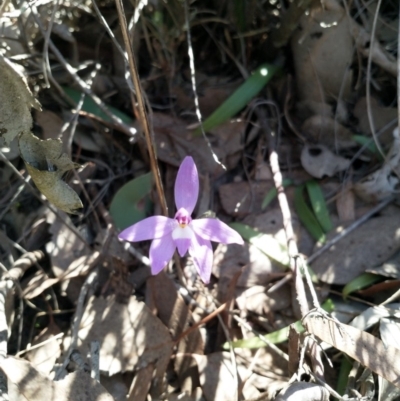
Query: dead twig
[[141, 106]]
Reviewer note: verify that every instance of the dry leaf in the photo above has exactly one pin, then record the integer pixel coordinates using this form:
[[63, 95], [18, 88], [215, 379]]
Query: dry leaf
[[323, 51], [16, 101], [217, 375], [174, 141], [303, 391], [345, 204], [361, 249], [34, 386], [326, 131], [130, 336], [359, 345], [319, 161], [47, 164], [44, 357]]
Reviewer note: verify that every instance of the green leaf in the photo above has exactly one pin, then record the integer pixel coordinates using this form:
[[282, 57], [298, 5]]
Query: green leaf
[[306, 216], [276, 337], [240, 98], [344, 372], [319, 205], [365, 141], [362, 281], [130, 204], [266, 243], [91, 107], [270, 196]]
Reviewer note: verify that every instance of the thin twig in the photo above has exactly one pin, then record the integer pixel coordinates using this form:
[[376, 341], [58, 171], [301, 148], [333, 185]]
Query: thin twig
[[141, 106], [368, 81]]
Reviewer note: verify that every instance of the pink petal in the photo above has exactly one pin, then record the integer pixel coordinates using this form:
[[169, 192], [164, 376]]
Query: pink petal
[[215, 230], [161, 252], [152, 227], [187, 185], [202, 254]]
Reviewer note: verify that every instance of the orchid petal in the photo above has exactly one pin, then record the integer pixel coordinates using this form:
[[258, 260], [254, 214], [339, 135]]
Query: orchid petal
[[150, 228], [202, 254], [183, 245], [187, 185], [215, 230], [161, 252]]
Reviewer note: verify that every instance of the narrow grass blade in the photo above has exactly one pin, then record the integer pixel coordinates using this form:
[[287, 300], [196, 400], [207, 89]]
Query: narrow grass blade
[[362, 281], [344, 372], [306, 216], [266, 243], [318, 204], [240, 98], [271, 195], [91, 107], [130, 204], [276, 337]]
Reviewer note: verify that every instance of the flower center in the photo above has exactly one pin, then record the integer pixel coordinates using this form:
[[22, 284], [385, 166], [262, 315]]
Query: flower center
[[183, 217]]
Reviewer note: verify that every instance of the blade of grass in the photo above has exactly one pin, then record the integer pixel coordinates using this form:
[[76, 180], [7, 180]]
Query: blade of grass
[[344, 372], [271, 195], [319, 205], [240, 98], [362, 281], [306, 216], [91, 107]]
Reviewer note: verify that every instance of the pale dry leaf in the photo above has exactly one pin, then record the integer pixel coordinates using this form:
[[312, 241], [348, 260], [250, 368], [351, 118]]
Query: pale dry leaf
[[319, 161], [130, 336], [345, 204], [360, 250], [303, 391], [326, 131], [44, 357], [322, 49], [383, 182], [217, 375], [47, 164], [16, 101], [34, 386], [390, 335], [359, 345], [175, 141]]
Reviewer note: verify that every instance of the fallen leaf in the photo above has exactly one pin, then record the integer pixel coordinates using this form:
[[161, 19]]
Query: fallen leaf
[[217, 375], [303, 391], [44, 357], [326, 131], [47, 164], [322, 50], [130, 336], [360, 250], [359, 345], [32, 385], [319, 161], [16, 101]]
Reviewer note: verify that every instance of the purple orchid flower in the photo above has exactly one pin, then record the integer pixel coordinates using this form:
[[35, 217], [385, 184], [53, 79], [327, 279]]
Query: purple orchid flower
[[182, 232]]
